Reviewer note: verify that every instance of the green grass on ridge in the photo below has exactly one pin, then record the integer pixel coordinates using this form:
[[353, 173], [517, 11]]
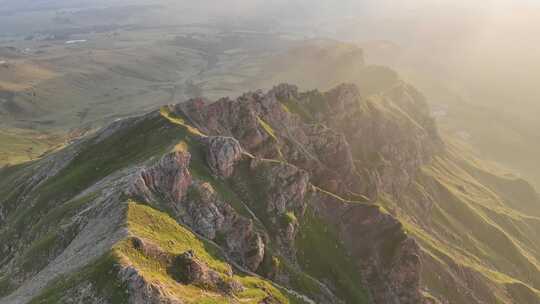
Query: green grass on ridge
[[321, 254]]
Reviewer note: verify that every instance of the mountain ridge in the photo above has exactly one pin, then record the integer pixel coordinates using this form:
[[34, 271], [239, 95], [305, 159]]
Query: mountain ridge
[[277, 197]]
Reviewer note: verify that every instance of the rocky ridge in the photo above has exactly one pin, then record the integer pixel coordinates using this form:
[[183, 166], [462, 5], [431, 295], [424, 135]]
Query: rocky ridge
[[267, 127], [276, 197]]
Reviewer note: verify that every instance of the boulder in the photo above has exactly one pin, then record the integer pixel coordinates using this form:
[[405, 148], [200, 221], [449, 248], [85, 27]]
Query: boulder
[[188, 269]]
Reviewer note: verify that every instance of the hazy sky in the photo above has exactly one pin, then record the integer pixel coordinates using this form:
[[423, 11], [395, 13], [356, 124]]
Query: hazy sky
[[489, 47]]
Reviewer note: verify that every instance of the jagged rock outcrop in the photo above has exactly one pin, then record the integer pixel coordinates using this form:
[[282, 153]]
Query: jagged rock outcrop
[[169, 178], [188, 269], [332, 148], [223, 153], [196, 204], [265, 129], [387, 148], [185, 268], [143, 292], [350, 146], [388, 145], [211, 217], [388, 258], [278, 191], [285, 186]]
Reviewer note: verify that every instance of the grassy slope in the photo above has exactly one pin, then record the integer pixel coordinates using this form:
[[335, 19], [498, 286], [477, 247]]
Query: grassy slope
[[49, 206], [101, 275], [159, 228], [480, 221], [175, 239], [506, 134], [131, 145], [18, 146], [321, 254], [471, 228]]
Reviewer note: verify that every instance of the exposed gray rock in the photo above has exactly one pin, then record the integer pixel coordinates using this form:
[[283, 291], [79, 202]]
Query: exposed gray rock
[[284, 91], [286, 187], [143, 292], [280, 191], [388, 259], [212, 217], [204, 212], [222, 154], [169, 184], [190, 270], [169, 179]]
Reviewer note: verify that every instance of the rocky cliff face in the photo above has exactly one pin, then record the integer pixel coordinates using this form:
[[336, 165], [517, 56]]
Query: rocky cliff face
[[374, 144], [195, 203], [276, 197], [389, 260], [314, 131]]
